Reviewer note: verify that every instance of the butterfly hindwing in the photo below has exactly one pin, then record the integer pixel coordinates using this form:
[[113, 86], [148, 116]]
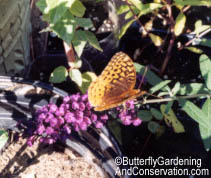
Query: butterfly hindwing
[[112, 102]]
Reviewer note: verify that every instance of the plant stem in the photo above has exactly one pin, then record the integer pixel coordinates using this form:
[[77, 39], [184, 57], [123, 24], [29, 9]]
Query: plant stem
[[69, 52], [173, 38], [168, 55], [199, 36], [136, 17], [174, 98], [186, 8]]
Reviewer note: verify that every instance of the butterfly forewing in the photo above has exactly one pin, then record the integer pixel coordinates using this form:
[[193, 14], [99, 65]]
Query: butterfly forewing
[[115, 85], [120, 68]]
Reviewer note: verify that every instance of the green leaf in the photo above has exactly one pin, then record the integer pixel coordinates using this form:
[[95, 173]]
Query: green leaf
[[81, 38], [153, 126], [91, 38], [65, 27], [87, 78], [205, 135], [157, 1], [122, 9], [157, 40], [168, 107], [124, 28], [77, 8], [57, 8], [180, 24], [79, 41], [76, 64], [3, 138], [194, 50], [53, 4], [42, 5], [163, 93], [156, 113], [46, 17], [193, 2], [58, 75], [151, 77], [128, 15], [205, 67], [206, 108], [194, 112], [148, 8], [159, 86], [171, 120], [176, 88], [137, 3], [192, 89], [205, 42], [180, 7], [206, 132], [144, 115], [76, 76], [84, 22], [79, 46], [203, 117], [199, 27], [57, 12]]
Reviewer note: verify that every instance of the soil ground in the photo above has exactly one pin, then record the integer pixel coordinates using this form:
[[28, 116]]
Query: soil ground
[[22, 161]]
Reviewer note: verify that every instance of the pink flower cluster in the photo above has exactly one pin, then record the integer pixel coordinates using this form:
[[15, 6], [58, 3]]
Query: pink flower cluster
[[55, 123], [128, 115]]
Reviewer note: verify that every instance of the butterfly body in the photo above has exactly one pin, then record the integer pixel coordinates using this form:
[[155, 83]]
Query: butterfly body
[[115, 85]]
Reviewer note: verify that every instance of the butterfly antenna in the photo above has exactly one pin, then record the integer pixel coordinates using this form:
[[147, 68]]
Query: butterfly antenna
[[142, 80]]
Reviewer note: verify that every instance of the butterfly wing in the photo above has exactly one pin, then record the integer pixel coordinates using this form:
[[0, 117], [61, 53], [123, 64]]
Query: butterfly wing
[[112, 102], [115, 84], [120, 69]]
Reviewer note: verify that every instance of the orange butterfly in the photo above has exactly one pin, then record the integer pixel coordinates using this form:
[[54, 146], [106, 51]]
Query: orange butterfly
[[115, 85]]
